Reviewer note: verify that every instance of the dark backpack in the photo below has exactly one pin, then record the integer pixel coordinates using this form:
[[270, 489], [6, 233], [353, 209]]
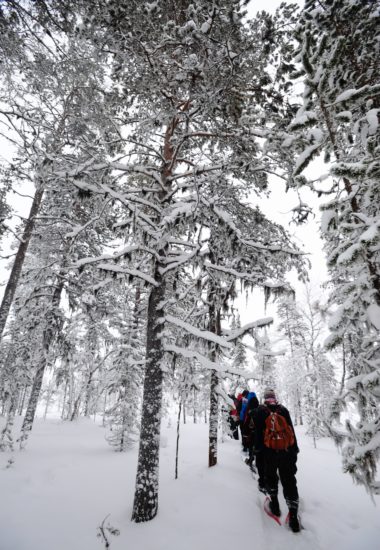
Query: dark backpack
[[278, 435]]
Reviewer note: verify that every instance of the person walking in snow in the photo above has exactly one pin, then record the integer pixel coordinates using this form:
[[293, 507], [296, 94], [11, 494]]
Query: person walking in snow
[[276, 442], [233, 418], [242, 402], [247, 426]]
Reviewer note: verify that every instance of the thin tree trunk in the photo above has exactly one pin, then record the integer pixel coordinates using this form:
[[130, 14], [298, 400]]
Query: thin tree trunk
[[299, 407], [32, 404], [184, 412], [75, 411], [11, 287], [343, 379], [177, 441], [104, 410], [213, 423], [214, 326], [64, 400], [194, 406], [88, 393], [48, 397], [6, 437], [22, 400]]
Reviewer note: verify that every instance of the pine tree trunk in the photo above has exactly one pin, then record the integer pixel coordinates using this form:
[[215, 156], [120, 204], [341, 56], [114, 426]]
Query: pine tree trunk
[[194, 406], [145, 504], [214, 326], [89, 392], [22, 400], [213, 422], [32, 404], [299, 407], [343, 379], [6, 437], [75, 411], [48, 337], [177, 441], [104, 410], [48, 397], [11, 287], [64, 400]]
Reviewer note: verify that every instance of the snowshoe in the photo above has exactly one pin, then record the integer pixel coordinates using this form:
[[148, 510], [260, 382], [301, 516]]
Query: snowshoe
[[269, 512]]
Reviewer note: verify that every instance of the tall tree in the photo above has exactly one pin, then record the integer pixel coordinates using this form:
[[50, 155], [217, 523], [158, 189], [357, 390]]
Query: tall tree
[[338, 52], [179, 68]]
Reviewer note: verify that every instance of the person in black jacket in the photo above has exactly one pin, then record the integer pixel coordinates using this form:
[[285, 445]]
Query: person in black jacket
[[277, 463]]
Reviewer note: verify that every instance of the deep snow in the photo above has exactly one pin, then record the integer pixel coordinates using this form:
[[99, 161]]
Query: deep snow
[[59, 490]]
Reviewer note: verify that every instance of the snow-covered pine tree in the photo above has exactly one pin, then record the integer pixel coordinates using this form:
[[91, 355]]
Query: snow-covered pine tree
[[266, 361], [296, 362], [239, 356], [125, 375], [321, 382], [340, 65], [177, 80], [184, 140]]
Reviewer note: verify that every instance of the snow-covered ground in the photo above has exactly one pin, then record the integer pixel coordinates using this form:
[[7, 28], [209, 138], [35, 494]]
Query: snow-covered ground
[[57, 492]]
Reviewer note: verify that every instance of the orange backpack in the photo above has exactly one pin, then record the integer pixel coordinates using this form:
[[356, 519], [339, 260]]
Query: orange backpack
[[278, 435]]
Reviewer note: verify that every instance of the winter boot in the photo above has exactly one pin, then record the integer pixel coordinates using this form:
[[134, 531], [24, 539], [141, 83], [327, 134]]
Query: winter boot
[[294, 523], [274, 506]]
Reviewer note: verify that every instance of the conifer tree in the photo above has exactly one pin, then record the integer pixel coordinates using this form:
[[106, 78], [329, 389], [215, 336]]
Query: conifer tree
[[340, 65], [187, 101]]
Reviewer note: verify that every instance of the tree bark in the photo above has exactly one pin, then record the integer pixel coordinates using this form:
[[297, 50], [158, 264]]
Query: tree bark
[[194, 406], [213, 421], [11, 287], [177, 441], [214, 326], [6, 437], [145, 504]]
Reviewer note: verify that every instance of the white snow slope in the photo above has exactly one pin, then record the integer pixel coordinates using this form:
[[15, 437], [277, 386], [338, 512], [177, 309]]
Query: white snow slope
[[57, 492]]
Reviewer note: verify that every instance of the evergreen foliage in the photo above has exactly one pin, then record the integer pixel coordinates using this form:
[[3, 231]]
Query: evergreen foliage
[[340, 65]]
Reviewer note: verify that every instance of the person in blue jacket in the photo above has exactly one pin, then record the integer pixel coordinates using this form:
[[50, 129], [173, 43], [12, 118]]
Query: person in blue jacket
[[250, 402]]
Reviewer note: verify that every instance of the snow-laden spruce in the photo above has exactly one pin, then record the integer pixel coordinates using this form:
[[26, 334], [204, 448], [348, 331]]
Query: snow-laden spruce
[[340, 63]]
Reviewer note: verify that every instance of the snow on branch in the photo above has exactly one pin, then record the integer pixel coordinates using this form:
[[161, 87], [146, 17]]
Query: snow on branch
[[124, 199], [354, 93], [132, 272], [230, 271], [197, 172], [203, 334], [179, 260], [260, 323], [226, 218], [305, 157], [127, 250], [193, 354]]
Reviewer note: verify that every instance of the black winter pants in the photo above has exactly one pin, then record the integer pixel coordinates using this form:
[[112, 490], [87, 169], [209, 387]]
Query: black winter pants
[[283, 464]]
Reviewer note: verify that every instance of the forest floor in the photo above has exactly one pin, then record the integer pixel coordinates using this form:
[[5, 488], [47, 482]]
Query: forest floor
[[55, 495]]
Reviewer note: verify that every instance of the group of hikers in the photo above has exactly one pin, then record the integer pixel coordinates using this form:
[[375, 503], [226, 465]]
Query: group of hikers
[[269, 440]]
